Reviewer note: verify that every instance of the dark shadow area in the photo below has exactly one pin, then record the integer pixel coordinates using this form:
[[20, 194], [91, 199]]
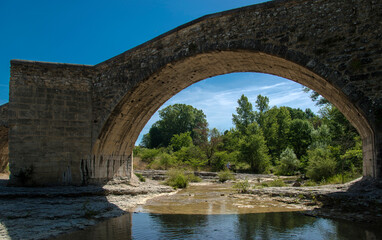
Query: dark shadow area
[[43, 212], [361, 202], [4, 129]]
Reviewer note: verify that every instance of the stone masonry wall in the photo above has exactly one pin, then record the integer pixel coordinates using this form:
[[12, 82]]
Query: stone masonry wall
[[336, 40], [3, 137], [73, 124], [50, 118]]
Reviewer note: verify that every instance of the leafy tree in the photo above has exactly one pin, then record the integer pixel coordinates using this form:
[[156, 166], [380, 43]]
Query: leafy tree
[[270, 129], [254, 151], [245, 115], [181, 140], [211, 146], [321, 164], [191, 156], [176, 119], [231, 140], [352, 159], [262, 104], [316, 97], [321, 137], [342, 132], [300, 136], [288, 164], [284, 122]]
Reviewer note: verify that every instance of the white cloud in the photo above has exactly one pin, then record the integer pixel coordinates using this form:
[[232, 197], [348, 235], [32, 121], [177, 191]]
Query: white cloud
[[217, 97]]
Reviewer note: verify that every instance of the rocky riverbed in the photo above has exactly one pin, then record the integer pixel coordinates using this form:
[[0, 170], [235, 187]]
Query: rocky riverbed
[[41, 213]]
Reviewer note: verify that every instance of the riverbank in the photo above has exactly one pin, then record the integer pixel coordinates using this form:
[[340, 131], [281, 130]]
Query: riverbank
[[358, 201], [42, 213]]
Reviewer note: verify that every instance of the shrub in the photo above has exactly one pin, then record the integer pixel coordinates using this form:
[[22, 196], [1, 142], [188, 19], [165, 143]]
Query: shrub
[[321, 164], [340, 178], [191, 156], [288, 164], [242, 186], [148, 155], [167, 161], [277, 183], [177, 179], [225, 176], [310, 183], [178, 141], [192, 178], [140, 177]]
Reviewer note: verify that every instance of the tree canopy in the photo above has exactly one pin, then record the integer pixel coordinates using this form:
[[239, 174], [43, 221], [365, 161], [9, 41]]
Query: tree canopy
[[176, 119]]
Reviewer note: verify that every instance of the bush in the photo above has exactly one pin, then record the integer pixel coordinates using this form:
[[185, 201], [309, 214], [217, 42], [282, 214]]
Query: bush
[[321, 164], [192, 178], [242, 186], [191, 156], [140, 177], [277, 183], [309, 183], [225, 176], [148, 155], [167, 161], [288, 164], [340, 178], [177, 179], [178, 141]]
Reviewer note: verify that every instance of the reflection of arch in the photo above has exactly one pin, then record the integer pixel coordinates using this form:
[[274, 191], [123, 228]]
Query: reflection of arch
[[136, 108]]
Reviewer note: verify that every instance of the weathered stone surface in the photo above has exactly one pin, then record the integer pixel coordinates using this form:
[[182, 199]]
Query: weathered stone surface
[[77, 124], [4, 128]]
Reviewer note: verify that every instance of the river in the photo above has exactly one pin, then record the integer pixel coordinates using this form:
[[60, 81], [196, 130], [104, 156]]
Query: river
[[215, 211]]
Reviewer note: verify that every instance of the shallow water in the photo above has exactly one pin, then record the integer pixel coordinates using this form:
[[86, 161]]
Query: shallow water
[[212, 199], [215, 212]]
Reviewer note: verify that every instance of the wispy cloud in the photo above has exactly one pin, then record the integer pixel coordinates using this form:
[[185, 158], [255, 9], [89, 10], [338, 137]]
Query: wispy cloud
[[218, 96]]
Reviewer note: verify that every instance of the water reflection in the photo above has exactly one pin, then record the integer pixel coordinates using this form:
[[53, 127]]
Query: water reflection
[[282, 225]]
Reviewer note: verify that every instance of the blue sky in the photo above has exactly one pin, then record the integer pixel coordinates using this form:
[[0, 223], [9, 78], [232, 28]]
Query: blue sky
[[91, 31]]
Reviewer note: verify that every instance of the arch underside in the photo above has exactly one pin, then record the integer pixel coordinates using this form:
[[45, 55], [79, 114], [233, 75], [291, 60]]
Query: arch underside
[[137, 106]]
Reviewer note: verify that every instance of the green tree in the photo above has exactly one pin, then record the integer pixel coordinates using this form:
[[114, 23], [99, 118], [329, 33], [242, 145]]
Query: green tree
[[288, 164], [321, 164], [270, 129], [321, 137], [176, 119], [245, 115], [230, 141], [262, 104], [300, 136], [342, 132], [254, 151], [191, 156], [181, 140], [211, 146]]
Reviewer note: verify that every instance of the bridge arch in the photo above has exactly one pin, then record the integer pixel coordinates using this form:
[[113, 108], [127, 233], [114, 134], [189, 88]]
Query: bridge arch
[[122, 128], [95, 113]]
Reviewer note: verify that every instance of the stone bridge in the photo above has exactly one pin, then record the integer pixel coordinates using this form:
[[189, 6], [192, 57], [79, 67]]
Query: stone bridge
[[77, 124]]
